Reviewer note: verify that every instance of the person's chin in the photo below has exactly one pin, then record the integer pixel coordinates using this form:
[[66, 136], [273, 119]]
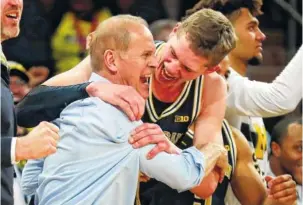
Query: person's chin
[[256, 60]]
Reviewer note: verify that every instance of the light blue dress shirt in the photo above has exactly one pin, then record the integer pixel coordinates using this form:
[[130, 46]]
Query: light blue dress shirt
[[95, 164]]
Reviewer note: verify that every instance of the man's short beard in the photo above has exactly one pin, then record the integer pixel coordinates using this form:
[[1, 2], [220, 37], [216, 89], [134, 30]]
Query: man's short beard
[[254, 61], [6, 34]]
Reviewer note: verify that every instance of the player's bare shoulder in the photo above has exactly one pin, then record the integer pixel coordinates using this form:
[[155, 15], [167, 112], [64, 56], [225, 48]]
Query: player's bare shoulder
[[215, 87]]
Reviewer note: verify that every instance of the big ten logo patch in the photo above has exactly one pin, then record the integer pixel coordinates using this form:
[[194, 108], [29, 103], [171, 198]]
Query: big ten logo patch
[[173, 136], [180, 118]]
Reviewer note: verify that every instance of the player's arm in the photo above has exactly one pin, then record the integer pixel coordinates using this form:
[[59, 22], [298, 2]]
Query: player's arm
[[185, 170], [245, 176], [77, 75], [44, 103], [208, 126], [209, 122], [254, 98]]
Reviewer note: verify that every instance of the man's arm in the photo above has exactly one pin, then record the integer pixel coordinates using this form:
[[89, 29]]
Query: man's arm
[[45, 103], [208, 124], [30, 174], [261, 99], [6, 146], [245, 174], [182, 171]]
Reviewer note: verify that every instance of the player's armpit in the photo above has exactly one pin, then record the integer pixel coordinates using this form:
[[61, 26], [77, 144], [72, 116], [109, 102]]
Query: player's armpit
[[246, 176]]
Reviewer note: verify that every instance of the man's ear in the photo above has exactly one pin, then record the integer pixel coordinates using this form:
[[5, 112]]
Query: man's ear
[[175, 29], [89, 39], [109, 61], [275, 149]]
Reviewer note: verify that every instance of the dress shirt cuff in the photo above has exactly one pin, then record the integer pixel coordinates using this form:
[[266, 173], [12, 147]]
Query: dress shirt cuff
[[13, 150], [198, 159]]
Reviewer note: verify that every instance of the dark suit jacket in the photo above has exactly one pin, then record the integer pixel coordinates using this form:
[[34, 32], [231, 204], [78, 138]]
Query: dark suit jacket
[[8, 130]]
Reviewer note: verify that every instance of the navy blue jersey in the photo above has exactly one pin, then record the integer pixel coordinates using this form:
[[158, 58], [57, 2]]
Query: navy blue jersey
[[175, 120]]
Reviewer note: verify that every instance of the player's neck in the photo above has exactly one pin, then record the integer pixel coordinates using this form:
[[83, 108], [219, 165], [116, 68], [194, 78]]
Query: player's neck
[[166, 94], [275, 166], [238, 65]]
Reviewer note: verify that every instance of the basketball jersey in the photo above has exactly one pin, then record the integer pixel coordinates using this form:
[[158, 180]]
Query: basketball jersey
[[253, 129], [175, 120]]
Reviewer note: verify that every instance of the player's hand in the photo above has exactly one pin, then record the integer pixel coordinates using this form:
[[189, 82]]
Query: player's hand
[[150, 133], [143, 177], [216, 159], [282, 189], [124, 97], [40, 142]]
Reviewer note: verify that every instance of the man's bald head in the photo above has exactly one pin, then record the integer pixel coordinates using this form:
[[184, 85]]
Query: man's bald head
[[114, 33]]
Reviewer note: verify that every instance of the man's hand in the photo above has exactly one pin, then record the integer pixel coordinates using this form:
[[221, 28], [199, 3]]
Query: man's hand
[[40, 142], [149, 133], [124, 97], [143, 177], [282, 189], [215, 158]]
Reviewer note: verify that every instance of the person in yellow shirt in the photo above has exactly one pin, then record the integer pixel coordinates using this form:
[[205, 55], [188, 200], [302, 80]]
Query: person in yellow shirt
[[69, 40]]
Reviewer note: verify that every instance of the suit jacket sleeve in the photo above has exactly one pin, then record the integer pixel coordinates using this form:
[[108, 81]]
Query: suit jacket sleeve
[[45, 103], [6, 143]]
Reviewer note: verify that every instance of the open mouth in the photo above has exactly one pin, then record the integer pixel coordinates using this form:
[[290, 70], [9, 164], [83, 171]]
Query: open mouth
[[166, 75], [144, 79], [13, 15]]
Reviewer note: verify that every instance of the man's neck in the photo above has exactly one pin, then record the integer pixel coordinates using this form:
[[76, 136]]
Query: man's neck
[[112, 78], [238, 65], [275, 166]]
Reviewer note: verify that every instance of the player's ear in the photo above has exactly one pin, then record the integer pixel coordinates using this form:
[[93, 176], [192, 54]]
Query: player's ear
[[275, 149], [175, 29]]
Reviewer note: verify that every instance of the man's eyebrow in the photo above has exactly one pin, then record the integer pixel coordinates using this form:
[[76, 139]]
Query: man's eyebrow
[[147, 52], [254, 22]]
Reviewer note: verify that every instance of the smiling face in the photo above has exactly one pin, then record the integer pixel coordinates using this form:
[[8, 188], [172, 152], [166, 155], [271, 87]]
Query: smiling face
[[195, 47], [11, 11], [137, 64], [178, 63]]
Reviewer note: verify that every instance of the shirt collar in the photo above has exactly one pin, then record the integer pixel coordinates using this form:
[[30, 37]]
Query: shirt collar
[[95, 77]]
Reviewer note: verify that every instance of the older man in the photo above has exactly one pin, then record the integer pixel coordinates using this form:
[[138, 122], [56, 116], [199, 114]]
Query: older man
[[95, 162], [38, 143]]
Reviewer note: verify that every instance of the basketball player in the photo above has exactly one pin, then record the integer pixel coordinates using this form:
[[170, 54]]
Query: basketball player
[[248, 50], [254, 98]]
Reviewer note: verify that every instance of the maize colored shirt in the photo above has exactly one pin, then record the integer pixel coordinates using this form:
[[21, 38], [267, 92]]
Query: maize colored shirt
[[95, 164]]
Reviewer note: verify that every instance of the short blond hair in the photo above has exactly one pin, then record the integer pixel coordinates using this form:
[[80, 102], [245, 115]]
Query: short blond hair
[[113, 33], [210, 34]]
